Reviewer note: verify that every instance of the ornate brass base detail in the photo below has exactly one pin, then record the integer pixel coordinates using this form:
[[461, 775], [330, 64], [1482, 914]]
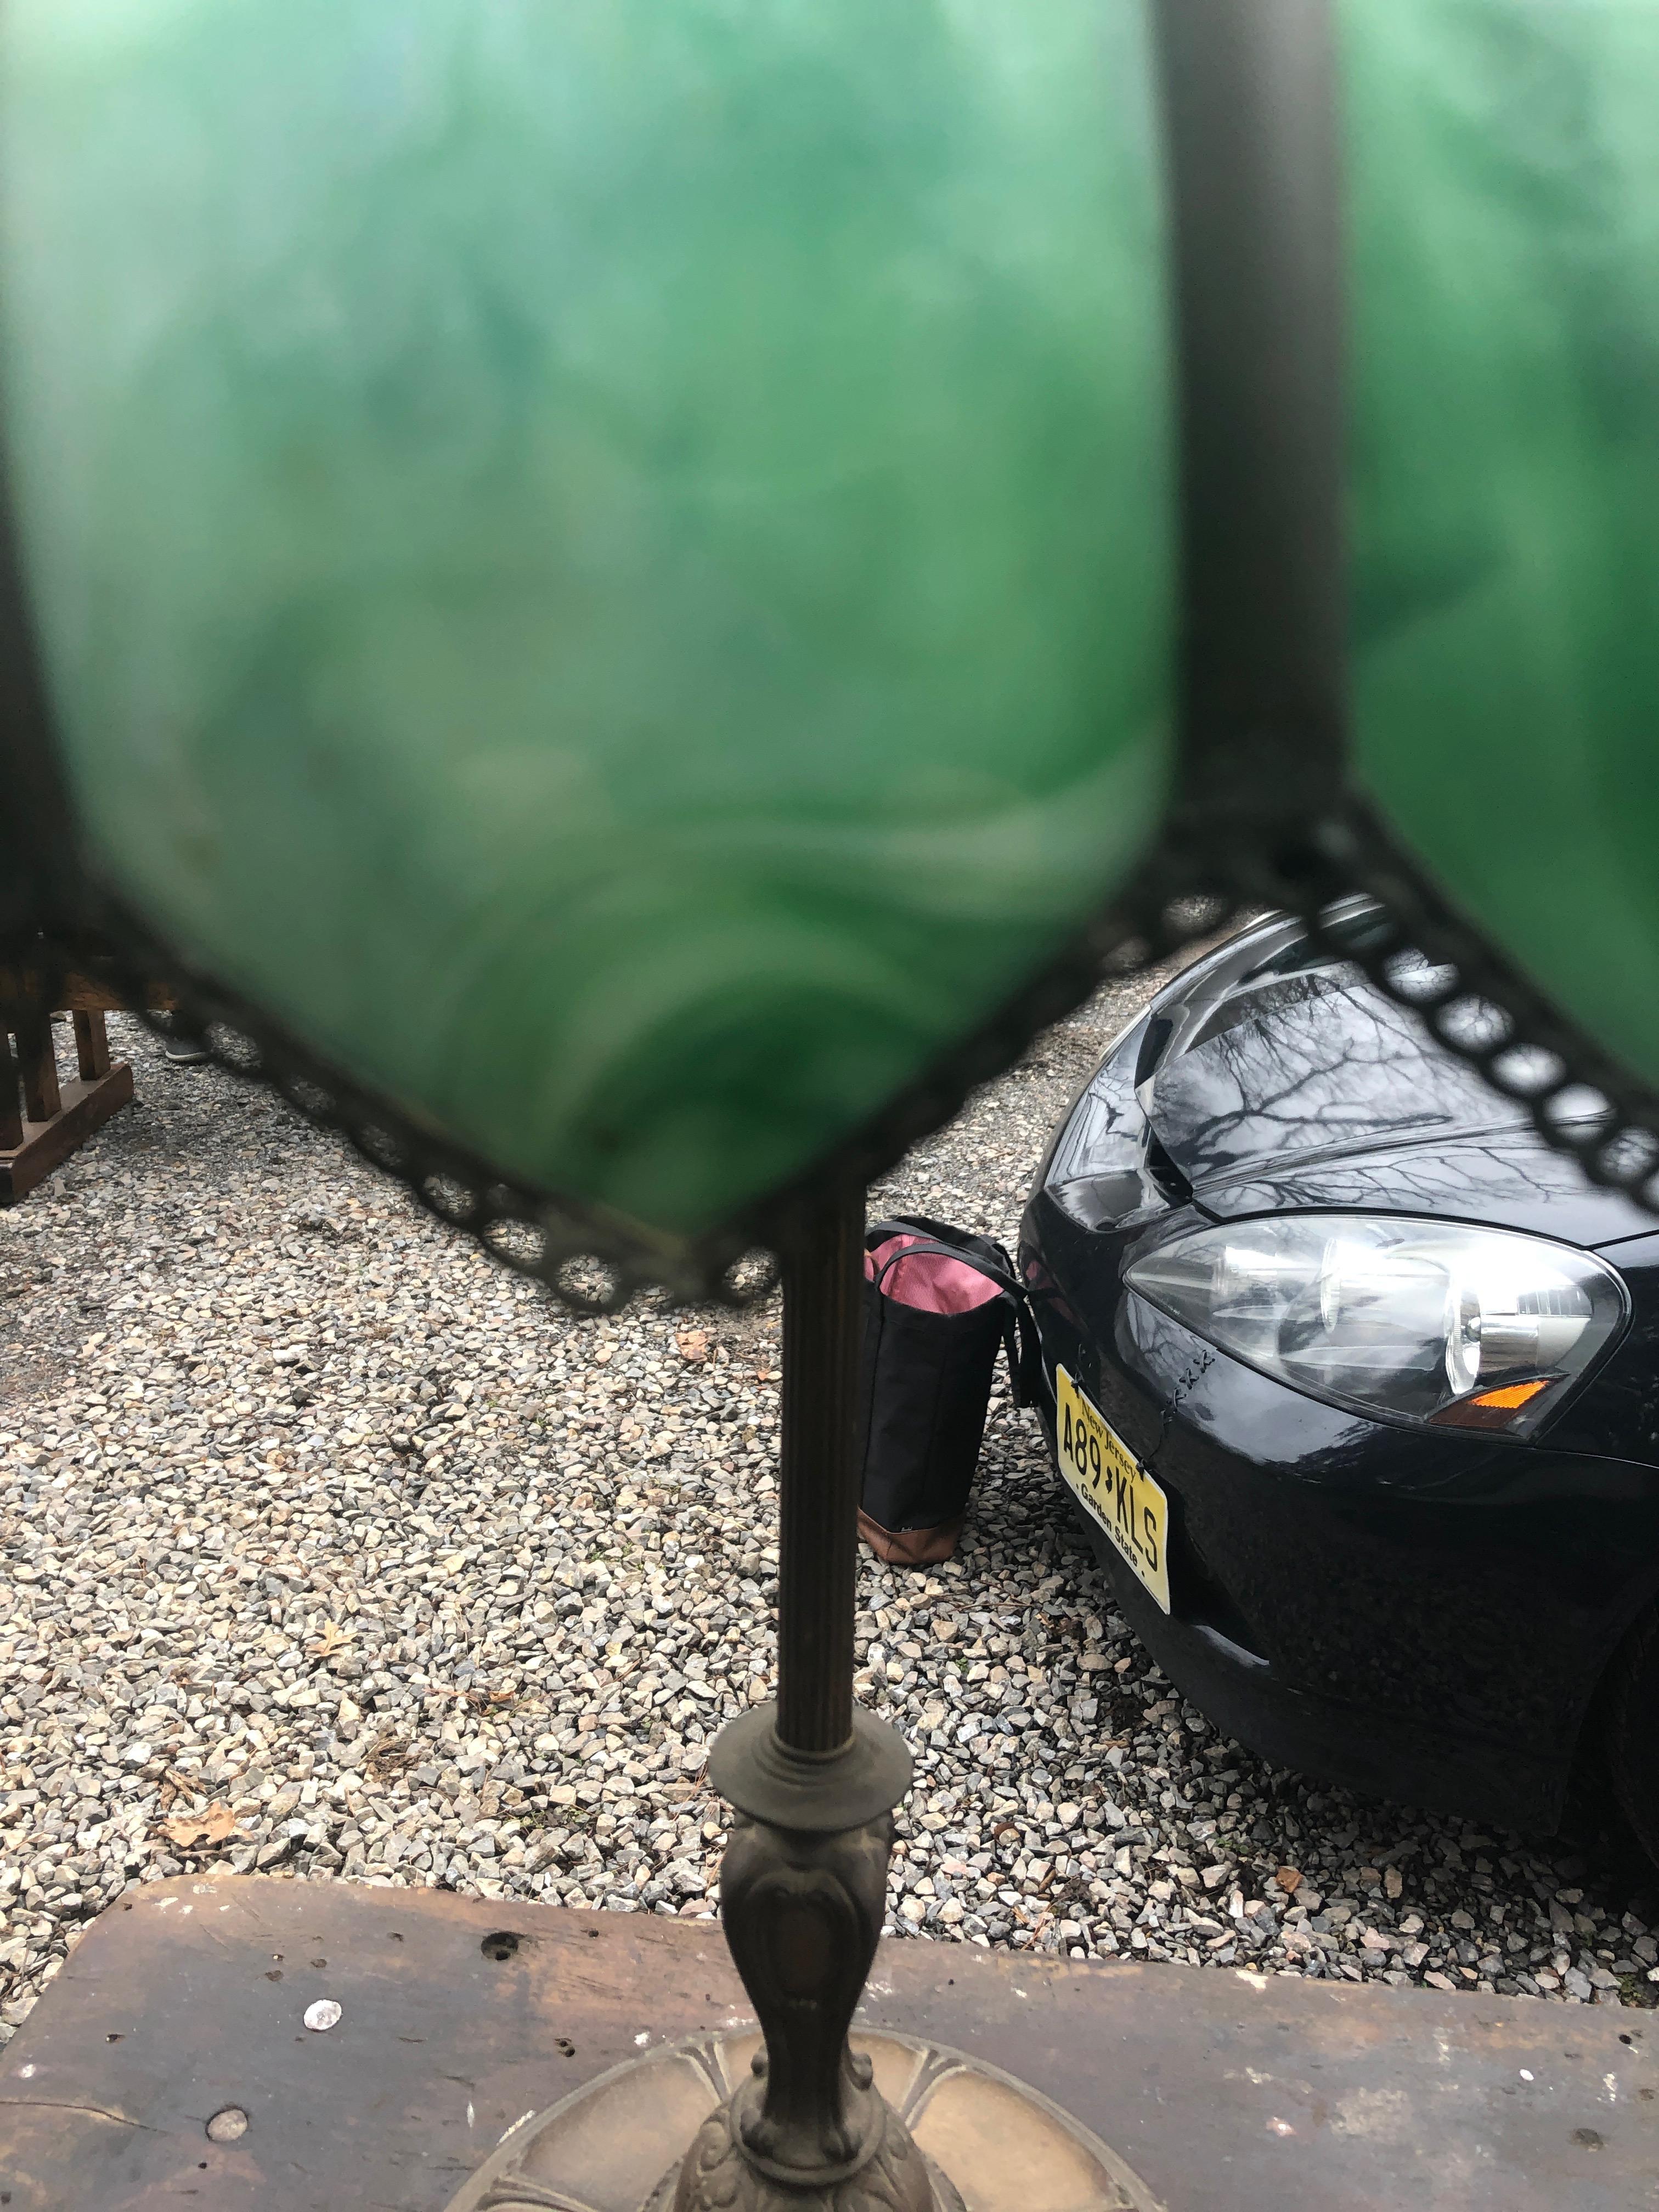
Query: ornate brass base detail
[[979, 2141], [892, 2175]]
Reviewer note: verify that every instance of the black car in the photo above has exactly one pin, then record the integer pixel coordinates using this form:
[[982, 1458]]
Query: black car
[[1356, 1382]]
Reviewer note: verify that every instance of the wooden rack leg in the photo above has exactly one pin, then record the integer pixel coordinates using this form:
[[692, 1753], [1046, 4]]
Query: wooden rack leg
[[41, 1097], [11, 1111], [91, 1044]]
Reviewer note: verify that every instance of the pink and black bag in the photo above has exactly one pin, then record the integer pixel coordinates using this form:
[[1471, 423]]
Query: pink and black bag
[[937, 1303]]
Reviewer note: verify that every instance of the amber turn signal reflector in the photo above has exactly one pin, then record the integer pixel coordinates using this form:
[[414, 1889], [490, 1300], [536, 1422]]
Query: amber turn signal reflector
[[1511, 1398]]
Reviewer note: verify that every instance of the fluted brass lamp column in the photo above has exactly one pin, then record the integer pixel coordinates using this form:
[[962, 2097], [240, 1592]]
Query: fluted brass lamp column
[[627, 597]]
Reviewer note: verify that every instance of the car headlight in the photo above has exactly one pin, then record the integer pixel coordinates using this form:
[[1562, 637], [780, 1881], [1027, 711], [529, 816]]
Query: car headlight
[[1404, 1320]]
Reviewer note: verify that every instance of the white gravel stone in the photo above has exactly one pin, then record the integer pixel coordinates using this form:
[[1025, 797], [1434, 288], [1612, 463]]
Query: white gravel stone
[[328, 1548]]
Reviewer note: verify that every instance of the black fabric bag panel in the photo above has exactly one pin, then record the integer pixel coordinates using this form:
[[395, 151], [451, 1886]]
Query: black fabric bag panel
[[926, 1385]]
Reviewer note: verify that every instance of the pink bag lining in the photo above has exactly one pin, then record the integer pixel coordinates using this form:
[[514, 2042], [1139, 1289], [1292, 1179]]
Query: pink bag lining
[[930, 1282]]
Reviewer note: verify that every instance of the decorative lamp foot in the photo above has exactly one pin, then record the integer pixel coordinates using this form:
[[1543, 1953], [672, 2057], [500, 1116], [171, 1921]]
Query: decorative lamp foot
[[720, 2173], [984, 2142]]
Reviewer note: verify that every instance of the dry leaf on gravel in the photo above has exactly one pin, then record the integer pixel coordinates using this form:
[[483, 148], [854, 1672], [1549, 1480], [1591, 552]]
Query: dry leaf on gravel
[[190, 1831], [694, 1345]]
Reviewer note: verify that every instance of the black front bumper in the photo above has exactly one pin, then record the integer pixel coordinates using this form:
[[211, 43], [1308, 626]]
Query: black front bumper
[[1423, 1616]]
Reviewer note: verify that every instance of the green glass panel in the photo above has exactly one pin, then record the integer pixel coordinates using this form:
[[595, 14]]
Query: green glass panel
[[1505, 217], [608, 562]]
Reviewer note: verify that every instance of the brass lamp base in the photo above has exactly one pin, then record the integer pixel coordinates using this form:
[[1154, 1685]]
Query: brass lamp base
[[988, 2143], [796, 2117]]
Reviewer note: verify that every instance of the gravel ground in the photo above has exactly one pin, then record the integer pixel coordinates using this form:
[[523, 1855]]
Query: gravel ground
[[326, 1547]]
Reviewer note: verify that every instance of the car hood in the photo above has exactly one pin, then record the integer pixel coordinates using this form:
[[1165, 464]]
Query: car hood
[[1504, 1178], [1267, 1090]]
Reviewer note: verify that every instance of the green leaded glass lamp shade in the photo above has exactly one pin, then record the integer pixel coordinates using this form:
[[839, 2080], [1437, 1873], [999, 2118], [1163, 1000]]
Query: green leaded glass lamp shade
[[643, 590], [633, 592]]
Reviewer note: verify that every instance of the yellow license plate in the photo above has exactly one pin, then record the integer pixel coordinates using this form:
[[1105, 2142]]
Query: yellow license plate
[[1112, 1486]]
